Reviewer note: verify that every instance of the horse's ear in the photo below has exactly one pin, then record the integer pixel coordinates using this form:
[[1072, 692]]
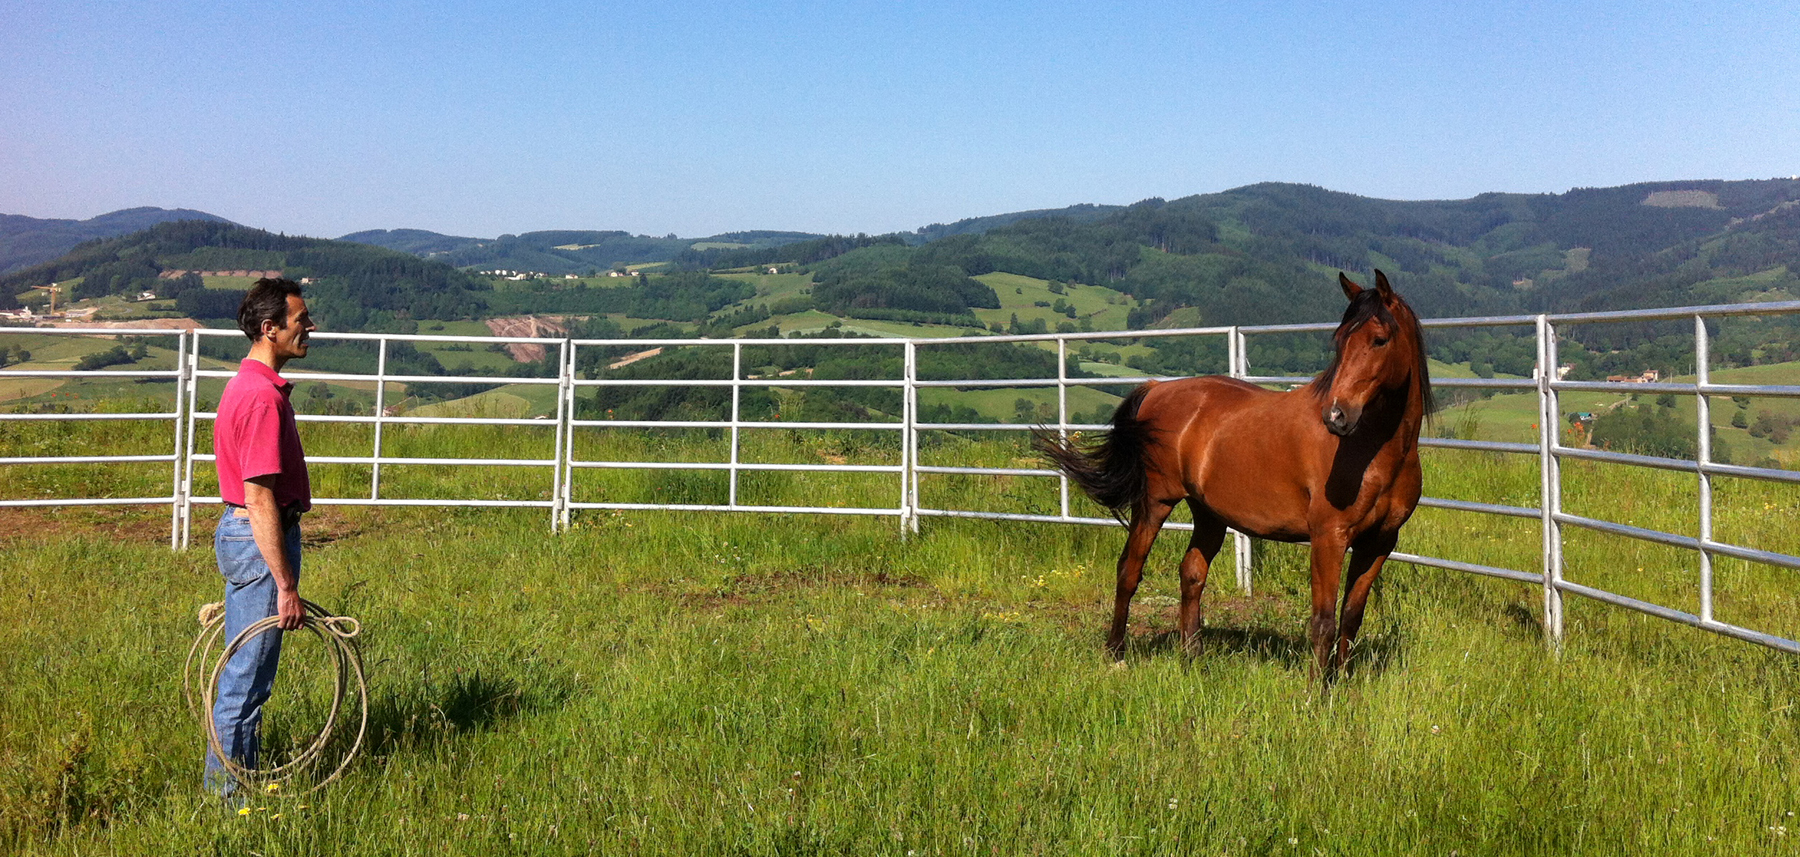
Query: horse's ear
[[1351, 289], [1381, 286]]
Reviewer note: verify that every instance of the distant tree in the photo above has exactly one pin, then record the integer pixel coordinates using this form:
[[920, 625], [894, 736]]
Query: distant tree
[[209, 303], [1646, 431], [115, 356]]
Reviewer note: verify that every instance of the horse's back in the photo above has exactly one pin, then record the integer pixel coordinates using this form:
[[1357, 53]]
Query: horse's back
[[1189, 395], [1209, 404], [1243, 451]]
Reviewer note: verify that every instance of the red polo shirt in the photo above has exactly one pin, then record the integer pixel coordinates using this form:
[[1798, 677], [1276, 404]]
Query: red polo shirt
[[255, 435]]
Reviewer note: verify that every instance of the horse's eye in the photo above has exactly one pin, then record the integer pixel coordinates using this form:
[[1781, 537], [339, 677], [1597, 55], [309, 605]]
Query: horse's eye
[[1380, 341]]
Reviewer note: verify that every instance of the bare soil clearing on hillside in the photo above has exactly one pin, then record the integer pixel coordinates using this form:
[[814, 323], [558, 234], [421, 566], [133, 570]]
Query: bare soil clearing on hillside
[[530, 325]]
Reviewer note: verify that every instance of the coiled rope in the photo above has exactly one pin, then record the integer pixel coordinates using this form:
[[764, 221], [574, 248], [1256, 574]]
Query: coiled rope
[[338, 633]]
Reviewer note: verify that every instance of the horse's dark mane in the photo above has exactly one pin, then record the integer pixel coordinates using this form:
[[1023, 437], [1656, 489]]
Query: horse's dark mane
[[1363, 307]]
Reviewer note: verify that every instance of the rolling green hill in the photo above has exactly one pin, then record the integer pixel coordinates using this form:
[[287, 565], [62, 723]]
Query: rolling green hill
[[355, 286], [27, 241], [564, 251], [1266, 253]]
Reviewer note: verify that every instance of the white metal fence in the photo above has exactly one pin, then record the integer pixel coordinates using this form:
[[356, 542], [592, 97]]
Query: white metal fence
[[562, 497]]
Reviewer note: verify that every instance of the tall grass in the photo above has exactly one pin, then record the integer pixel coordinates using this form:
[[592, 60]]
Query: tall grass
[[678, 684]]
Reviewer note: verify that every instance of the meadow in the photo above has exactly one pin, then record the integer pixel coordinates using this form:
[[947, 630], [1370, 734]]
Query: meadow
[[665, 683]]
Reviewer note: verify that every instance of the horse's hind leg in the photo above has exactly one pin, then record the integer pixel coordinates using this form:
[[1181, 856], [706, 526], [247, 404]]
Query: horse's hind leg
[[1146, 521], [1209, 534], [1366, 559]]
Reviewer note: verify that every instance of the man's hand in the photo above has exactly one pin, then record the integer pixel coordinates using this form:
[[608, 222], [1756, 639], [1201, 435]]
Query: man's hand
[[265, 524], [289, 609]]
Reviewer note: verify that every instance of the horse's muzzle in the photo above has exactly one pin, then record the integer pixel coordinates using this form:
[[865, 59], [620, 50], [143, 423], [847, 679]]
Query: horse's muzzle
[[1340, 422]]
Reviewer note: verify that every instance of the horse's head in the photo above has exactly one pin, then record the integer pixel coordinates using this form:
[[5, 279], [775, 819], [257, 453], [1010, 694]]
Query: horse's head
[[1379, 353]]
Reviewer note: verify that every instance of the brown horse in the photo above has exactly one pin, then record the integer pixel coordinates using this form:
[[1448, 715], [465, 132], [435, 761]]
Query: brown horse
[[1335, 462]]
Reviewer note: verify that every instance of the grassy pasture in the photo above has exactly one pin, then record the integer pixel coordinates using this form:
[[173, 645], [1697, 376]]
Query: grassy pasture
[[809, 321], [1001, 403], [240, 284], [454, 354], [770, 287], [678, 684], [1513, 416], [61, 353], [1020, 294]]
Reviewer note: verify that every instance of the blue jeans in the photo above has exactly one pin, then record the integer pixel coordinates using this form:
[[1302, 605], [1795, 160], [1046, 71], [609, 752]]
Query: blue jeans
[[245, 682]]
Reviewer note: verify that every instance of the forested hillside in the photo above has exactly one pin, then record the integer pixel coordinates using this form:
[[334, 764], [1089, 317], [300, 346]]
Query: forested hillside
[[565, 251], [1266, 253], [26, 241], [355, 286]]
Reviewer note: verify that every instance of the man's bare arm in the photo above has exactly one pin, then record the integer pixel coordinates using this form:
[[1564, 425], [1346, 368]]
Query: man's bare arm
[[265, 524]]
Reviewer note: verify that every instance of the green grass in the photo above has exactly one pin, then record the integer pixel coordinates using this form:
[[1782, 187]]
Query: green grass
[[61, 353], [512, 401], [1001, 404], [1513, 416], [1019, 295], [680, 684], [235, 283], [771, 287]]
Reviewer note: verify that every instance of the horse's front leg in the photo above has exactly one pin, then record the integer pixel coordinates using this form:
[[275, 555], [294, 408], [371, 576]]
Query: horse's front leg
[[1328, 548], [1146, 521], [1366, 558]]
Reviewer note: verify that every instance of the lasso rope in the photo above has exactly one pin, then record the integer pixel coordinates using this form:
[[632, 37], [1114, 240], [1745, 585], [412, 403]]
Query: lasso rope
[[339, 636]]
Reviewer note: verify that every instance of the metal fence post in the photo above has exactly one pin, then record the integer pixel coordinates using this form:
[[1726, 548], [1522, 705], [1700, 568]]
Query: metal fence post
[[380, 413], [1550, 475], [190, 380], [737, 387], [909, 441], [1238, 366], [1703, 458], [1062, 417], [565, 447], [559, 508], [176, 492]]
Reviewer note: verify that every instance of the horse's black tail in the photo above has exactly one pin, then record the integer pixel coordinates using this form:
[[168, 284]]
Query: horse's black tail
[[1112, 470]]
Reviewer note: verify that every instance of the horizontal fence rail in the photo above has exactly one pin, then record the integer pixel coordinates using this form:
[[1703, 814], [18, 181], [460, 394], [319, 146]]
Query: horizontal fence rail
[[561, 495]]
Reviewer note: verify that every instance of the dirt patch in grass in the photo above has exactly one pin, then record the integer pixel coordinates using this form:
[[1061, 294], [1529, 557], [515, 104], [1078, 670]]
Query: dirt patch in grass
[[324, 525], [150, 525], [119, 523]]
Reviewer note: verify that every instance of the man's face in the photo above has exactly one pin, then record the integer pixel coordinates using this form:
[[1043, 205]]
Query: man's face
[[289, 340]]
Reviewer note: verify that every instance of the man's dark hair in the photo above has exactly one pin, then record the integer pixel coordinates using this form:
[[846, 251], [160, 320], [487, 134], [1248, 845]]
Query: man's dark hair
[[266, 301]]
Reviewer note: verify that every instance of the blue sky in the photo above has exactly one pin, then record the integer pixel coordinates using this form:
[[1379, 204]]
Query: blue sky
[[323, 118]]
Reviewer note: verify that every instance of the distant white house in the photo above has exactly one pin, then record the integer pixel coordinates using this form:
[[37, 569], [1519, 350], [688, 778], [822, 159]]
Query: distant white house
[[146, 296]]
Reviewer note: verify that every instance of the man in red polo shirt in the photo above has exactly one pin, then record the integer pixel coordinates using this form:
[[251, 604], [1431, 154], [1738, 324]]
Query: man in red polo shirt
[[262, 479]]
